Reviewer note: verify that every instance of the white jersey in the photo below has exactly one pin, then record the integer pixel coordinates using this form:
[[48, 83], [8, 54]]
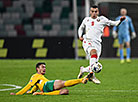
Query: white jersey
[[94, 27]]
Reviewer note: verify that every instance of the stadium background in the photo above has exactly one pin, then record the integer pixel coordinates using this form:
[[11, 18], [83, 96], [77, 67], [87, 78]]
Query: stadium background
[[45, 28]]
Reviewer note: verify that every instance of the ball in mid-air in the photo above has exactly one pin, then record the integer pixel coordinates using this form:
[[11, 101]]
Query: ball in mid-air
[[96, 67]]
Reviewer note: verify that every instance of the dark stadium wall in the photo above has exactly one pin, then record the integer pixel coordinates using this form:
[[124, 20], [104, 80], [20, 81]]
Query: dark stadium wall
[[31, 47], [53, 47]]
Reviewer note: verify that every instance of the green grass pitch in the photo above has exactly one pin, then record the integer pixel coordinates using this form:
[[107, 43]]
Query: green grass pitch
[[119, 82]]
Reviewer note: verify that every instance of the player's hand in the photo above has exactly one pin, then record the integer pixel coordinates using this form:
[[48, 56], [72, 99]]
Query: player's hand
[[114, 33], [37, 93], [122, 18], [133, 35], [12, 93], [81, 38]]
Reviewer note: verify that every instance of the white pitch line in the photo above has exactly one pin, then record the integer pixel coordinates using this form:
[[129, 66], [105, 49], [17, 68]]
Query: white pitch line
[[18, 87], [15, 87]]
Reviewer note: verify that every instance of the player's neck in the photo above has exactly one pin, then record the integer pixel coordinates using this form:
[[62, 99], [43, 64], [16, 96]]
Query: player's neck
[[123, 15], [94, 17], [39, 73]]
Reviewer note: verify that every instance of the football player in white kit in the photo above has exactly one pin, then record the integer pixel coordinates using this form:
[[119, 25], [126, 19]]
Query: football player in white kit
[[94, 26]]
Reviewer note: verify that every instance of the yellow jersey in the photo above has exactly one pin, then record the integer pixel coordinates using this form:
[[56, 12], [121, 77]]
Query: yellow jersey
[[37, 80]]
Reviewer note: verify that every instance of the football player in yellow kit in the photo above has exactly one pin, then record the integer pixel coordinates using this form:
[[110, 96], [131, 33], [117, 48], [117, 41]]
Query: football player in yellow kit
[[47, 87]]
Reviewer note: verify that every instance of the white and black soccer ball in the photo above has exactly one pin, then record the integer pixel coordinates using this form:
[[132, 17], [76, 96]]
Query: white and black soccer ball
[[96, 67]]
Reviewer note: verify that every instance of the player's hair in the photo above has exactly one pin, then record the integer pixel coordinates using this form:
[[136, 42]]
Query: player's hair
[[39, 63], [123, 8], [94, 6]]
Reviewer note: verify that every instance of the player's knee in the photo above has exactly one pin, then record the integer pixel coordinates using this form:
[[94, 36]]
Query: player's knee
[[93, 52], [127, 44], [64, 92], [61, 83], [121, 46]]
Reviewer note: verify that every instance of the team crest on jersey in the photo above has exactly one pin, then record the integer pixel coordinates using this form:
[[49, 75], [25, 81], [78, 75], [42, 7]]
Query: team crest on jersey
[[98, 20], [87, 20]]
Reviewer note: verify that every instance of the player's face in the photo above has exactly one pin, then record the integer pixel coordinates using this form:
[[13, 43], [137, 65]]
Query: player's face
[[123, 12], [94, 12], [41, 69]]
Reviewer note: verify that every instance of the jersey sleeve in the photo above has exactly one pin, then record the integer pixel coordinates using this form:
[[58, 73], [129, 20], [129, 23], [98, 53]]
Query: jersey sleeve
[[131, 25], [82, 26], [111, 23], [115, 27], [25, 89], [34, 89], [32, 82]]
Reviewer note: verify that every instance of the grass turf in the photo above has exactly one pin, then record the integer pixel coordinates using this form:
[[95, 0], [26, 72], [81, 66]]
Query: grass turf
[[118, 81]]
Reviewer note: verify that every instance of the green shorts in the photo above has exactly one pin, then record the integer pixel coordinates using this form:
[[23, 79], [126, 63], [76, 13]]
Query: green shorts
[[49, 86]]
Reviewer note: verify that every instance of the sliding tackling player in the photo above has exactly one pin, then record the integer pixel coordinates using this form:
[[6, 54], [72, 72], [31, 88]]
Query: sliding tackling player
[[47, 87]]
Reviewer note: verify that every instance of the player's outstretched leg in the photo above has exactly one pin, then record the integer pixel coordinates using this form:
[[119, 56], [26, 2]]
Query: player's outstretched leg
[[83, 70], [56, 92], [59, 84], [72, 82], [94, 79], [87, 77], [80, 73]]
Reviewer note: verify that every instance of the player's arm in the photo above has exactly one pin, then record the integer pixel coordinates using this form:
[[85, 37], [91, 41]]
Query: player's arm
[[131, 25], [116, 23], [32, 82], [114, 32], [80, 30], [34, 89], [115, 27], [57, 92], [133, 35], [24, 90]]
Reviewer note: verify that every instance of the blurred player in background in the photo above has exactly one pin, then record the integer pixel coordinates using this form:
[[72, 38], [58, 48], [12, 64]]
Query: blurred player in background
[[123, 34], [47, 87], [94, 26]]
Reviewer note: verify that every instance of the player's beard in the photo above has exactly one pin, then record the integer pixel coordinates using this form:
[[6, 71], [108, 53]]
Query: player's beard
[[43, 72], [94, 16]]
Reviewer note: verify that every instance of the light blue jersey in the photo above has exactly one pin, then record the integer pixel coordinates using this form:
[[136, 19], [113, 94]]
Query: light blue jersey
[[123, 29]]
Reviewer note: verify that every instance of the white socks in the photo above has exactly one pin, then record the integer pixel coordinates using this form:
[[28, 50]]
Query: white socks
[[86, 69]]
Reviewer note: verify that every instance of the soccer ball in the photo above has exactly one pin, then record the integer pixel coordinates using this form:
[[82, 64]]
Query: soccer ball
[[96, 67]]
